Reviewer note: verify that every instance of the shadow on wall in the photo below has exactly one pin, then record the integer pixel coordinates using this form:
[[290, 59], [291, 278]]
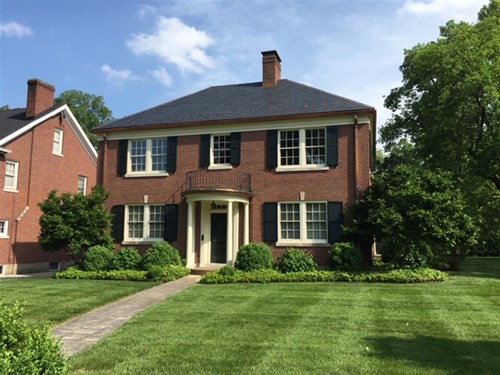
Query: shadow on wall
[[451, 356]]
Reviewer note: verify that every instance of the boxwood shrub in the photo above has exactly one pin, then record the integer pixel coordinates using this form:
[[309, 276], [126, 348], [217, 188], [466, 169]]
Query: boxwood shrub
[[127, 258], [254, 256], [97, 258], [161, 254], [345, 256], [25, 349], [294, 260]]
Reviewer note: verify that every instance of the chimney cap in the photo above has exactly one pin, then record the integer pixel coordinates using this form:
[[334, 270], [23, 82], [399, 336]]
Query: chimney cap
[[271, 54], [36, 81]]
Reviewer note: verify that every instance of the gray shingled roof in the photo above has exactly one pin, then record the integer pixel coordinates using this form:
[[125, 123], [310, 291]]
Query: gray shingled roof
[[240, 102], [12, 120]]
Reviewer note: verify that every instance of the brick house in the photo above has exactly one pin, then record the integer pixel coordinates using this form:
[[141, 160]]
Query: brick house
[[42, 148], [273, 161]]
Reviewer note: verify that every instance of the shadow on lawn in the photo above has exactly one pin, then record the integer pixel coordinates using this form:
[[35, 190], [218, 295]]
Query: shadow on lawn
[[487, 267], [453, 356]]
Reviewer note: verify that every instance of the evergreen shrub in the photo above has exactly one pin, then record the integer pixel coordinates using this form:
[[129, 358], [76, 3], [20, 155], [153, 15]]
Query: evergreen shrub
[[254, 256]]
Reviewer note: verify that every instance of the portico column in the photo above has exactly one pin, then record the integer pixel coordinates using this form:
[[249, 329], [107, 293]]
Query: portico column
[[229, 238], [190, 235], [246, 224]]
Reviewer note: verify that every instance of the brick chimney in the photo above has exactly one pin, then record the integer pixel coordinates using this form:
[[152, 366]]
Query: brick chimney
[[40, 97], [271, 68]]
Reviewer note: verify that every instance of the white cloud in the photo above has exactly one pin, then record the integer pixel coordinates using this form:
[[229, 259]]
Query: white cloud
[[175, 43], [14, 29], [162, 75], [460, 10], [117, 77], [146, 10]]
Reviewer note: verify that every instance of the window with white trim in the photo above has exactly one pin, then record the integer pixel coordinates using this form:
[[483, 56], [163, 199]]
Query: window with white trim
[[148, 155], [145, 222], [302, 148], [82, 185], [57, 148], [302, 223], [221, 150], [4, 229], [11, 175]]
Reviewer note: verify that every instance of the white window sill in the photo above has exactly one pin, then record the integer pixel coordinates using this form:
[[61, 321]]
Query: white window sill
[[57, 154], [3, 237], [146, 174], [146, 241], [8, 190], [220, 167], [302, 244], [308, 168]]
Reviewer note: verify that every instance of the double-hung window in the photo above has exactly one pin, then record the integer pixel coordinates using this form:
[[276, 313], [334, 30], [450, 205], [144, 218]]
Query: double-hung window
[[11, 175], [4, 229], [145, 222], [148, 156], [57, 146], [303, 148], [221, 151], [302, 223], [82, 185]]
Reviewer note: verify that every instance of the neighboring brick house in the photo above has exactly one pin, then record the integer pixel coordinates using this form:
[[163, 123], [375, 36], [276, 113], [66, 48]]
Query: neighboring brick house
[[42, 148], [273, 161]]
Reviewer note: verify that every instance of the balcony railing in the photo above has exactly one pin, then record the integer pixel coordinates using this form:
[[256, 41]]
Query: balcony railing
[[205, 180]]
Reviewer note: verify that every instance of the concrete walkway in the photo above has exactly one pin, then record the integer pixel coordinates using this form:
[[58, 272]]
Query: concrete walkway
[[87, 329]]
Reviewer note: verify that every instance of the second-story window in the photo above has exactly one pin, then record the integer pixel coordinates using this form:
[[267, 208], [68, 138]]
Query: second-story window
[[302, 148], [148, 155], [82, 185], [57, 147], [221, 150], [11, 175]]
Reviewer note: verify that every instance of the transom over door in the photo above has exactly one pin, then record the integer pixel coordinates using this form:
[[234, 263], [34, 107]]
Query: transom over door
[[218, 238]]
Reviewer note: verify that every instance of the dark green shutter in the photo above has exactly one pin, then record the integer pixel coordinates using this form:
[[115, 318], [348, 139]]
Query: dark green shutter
[[171, 154], [205, 151], [118, 222], [334, 222], [270, 222], [170, 230], [121, 163], [235, 149], [332, 146], [272, 149]]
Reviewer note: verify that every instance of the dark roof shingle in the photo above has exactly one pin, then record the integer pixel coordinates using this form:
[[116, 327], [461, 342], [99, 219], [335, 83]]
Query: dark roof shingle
[[240, 102]]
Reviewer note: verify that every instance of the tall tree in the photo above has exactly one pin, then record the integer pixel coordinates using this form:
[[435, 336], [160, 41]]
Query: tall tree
[[449, 103], [89, 109]]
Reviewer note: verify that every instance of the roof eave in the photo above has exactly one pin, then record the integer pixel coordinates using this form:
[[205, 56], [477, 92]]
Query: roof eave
[[234, 121]]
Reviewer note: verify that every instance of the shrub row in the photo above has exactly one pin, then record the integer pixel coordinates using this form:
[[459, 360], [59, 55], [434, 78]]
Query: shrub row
[[402, 276], [155, 273], [101, 258]]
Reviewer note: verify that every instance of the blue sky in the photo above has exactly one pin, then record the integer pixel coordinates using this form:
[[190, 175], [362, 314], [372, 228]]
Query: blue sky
[[138, 54]]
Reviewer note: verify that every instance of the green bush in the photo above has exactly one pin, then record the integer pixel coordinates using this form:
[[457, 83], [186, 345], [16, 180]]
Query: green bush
[[161, 254], [345, 256], [294, 260], [167, 273], [227, 271], [400, 276], [254, 256], [75, 273], [97, 258], [127, 258], [27, 350]]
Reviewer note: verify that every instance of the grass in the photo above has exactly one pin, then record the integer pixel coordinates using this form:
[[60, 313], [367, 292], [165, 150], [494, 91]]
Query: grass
[[314, 328], [53, 301]]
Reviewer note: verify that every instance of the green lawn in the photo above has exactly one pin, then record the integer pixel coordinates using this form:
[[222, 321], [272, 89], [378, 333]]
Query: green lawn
[[53, 301], [324, 328]]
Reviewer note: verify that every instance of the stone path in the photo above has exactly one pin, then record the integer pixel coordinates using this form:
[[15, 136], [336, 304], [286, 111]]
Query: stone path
[[87, 329]]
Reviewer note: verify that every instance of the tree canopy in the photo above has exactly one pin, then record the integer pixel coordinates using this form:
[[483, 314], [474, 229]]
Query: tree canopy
[[89, 109], [74, 222], [449, 103]]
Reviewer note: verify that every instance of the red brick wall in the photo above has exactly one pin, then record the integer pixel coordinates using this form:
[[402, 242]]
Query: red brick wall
[[336, 184], [39, 172]]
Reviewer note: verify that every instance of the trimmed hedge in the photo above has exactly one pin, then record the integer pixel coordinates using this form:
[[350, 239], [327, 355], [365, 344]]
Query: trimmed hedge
[[161, 254], [156, 273], [400, 276], [127, 258], [254, 256], [97, 258], [294, 260]]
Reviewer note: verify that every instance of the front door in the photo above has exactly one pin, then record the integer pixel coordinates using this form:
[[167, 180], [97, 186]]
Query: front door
[[218, 235]]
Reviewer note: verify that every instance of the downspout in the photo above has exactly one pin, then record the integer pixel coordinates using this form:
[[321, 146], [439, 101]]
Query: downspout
[[356, 167]]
